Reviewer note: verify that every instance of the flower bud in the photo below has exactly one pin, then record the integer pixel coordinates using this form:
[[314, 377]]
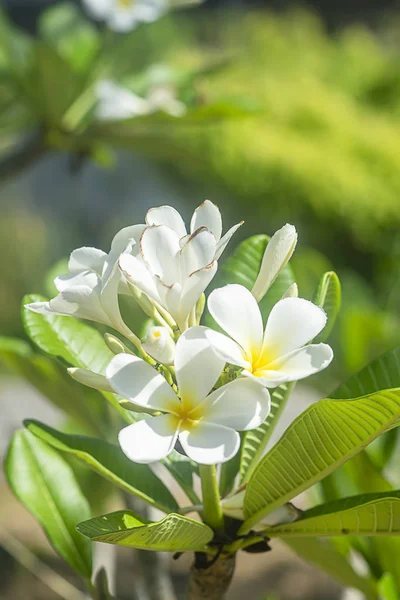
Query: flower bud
[[276, 256], [291, 292], [91, 379], [160, 345], [115, 345], [232, 506]]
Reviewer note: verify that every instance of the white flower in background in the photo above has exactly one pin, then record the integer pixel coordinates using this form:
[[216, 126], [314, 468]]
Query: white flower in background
[[175, 268], [205, 423], [276, 256], [124, 15], [160, 345], [115, 102], [232, 506], [90, 289], [274, 356]]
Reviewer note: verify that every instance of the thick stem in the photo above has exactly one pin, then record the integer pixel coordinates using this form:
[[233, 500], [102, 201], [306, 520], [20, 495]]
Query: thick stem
[[212, 511], [213, 582]]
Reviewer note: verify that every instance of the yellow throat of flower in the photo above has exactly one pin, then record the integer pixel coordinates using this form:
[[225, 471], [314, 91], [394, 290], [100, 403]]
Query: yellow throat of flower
[[125, 3], [262, 361]]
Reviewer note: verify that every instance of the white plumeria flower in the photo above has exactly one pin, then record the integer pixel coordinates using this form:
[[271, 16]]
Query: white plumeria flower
[[205, 423], [175, 268], [115, 102], [276, 256], [90, 289], [274, 356], [124, 15], [160, 345]]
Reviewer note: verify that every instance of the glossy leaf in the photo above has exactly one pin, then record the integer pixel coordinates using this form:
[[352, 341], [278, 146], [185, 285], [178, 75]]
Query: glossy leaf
[[46, 485], [71, 340], [109, 461], [256, 440], [321, 439], [174, 533], [328, 297], [368, 514], [323, 554], [383, 373]]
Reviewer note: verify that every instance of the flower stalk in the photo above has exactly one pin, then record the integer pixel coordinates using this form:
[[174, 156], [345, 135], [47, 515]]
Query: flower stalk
[[212, 510]]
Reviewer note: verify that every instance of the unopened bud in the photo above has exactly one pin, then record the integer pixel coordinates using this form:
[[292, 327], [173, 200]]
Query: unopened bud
[[291, 292], [91, 379], [115, 344], [160, 345], [232, 506], [276, 256], [201, 303]]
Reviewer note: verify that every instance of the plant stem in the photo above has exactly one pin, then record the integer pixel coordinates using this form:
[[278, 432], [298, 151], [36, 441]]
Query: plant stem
[[212, 510], [211, 582]]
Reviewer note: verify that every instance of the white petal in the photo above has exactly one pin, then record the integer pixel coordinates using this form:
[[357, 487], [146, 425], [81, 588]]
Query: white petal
[[304, 362], [192, 289], [137, 274], [207, 215], [236, 312], [150, 439], [227, 349], [115, 102], [99, 9], [42, 308], [223, 242], [170, 297], [137, 381], [197, 366], [210, 444], [91, 379], [292, 323], [241, 405], [81, 301], [277, 254], [83, 259], [121, 239], [197, 253], [77, 278], [160, 250], [166, 215]]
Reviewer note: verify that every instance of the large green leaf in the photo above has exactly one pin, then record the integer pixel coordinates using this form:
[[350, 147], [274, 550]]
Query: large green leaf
[[368, 514], [47, 487], [71, 340], [383, 373], [243, 266], [174, 533], [322, 438], [328, 297], [323, 554], [256, 440], [84, 405], [109, 461]]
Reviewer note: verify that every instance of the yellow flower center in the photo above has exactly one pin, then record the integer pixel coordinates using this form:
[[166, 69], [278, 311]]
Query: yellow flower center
[[261, 361], [156, 334], [125, 3], [189, 414]]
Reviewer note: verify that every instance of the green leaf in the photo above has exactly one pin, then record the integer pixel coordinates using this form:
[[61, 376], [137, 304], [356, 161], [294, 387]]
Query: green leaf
[[243, 267], [182, 469], [382, 373], [321, 439], [174, 533], [323, 554], [71, 340], [256, 440], [368, 514], [328, 297], [84, 405], [109, 461], [46, 486], [387, 587]]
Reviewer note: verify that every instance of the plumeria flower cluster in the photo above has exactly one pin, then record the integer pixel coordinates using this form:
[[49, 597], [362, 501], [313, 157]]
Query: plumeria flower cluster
[[194, 386]]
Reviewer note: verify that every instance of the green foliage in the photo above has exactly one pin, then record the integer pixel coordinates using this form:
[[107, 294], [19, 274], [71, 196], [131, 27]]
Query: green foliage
[[174, 533], [323, 437], [369, 514], [45, 484], [108, 460], [328, 297]]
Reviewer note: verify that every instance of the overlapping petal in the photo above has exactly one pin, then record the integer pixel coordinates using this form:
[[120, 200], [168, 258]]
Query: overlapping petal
[[150, 439], [209, 444], [167, 216], [160, 250], [207, 215]]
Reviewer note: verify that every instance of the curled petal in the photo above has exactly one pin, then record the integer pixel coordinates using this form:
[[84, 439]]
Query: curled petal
[[160, 248], [192, 289], [150, 439], [168, 216], [223, 242], [83, 259], [198, 252], [207, 215]]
